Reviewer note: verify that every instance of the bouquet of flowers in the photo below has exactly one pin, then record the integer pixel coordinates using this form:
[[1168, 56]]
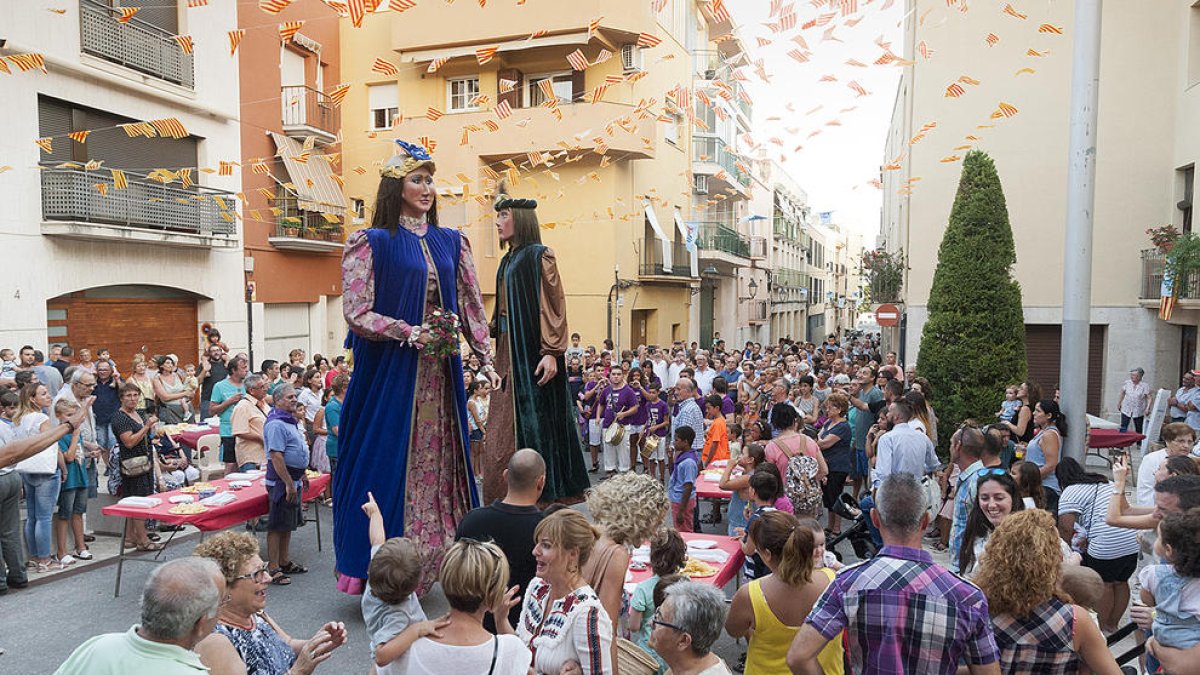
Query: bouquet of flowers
[[442, 328]]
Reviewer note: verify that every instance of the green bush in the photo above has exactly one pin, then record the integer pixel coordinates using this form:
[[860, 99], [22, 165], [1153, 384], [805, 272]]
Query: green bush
[[973, 343]]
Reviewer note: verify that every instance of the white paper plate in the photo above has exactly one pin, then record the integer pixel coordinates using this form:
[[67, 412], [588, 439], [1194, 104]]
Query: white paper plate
[[702, 543], [182, 499]]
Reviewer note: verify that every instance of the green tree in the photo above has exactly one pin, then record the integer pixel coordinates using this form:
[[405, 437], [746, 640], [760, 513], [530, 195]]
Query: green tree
[[973, 343]]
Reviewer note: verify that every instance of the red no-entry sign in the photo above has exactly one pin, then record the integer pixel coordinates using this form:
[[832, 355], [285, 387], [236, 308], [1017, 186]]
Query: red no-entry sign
[[887, 315]]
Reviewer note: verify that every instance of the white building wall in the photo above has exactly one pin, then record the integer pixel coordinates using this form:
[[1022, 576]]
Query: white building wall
[[56, 266]]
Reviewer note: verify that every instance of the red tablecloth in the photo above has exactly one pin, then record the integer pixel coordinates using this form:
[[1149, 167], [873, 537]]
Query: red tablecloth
[[1112, 438], [192, 438], [726, 572], [251, 503], [708, 489]]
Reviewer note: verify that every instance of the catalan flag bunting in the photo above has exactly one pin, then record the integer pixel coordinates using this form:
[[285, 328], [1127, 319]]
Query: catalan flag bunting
[[384, 67]]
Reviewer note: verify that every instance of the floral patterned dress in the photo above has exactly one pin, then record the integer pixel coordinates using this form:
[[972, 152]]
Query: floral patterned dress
[[436, 492]]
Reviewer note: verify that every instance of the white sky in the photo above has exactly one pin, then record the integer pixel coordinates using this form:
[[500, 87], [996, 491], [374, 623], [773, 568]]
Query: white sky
[[835, 166]]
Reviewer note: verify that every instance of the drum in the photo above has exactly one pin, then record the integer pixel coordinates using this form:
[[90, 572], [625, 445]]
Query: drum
[[650, 446], [614, 433]]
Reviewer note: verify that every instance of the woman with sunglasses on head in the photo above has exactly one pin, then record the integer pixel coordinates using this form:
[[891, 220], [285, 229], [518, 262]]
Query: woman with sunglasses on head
[[246, 640]]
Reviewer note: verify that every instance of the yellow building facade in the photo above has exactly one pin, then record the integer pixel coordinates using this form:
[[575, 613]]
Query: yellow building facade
[[607, 150]]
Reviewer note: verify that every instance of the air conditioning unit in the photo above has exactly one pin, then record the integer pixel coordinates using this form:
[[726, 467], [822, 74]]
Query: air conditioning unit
[[631, 58], [700, 185]]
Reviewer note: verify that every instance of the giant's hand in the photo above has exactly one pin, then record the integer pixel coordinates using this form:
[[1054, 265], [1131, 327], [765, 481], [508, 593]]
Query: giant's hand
[[546, 369]]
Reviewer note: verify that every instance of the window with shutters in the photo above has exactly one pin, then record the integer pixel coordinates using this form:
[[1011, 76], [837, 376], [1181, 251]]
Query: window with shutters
[[460, 92], [384, 103], [559, 85], [106, 142], [1043, 349]]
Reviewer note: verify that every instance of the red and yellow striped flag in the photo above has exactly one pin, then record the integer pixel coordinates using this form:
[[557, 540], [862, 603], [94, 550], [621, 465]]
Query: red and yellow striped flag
[[288, 30], [197, 3], [260, 167], [119, 180], [127, 13], [577, 60], [433, 114], [184, 42], [991, 39], [28, 62], [79, 136], [1050, 28], [648, 40], [436, 64], [102, 188], [384, 67], [719, 12], [427, 143], [46, 144], [339, 94], [401, 5], [4, 66], [273, 6], [1012, 11], [504, 110], [857, 88], [225, 168], [954, 90], [170, 127], [507, 85], [1004, 110], [185, 177], [357, 9], [235, 39], [485, 54], [593, 26]]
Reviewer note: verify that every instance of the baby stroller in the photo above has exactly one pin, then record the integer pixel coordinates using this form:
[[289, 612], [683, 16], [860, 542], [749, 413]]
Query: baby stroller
[[855, 530]]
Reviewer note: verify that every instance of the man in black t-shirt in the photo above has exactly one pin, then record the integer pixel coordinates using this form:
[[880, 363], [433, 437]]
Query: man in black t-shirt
[[212, 371], [510, 523]]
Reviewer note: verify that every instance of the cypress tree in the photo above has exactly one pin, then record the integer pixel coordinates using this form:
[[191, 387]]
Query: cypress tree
[[973, 343]]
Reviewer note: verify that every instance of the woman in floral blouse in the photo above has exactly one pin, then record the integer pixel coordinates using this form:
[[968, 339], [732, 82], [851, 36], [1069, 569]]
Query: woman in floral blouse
[[562, 620], [403, 432]]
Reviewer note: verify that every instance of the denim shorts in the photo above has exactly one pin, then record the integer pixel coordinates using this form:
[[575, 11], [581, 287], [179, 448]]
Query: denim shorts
[[72, 502]]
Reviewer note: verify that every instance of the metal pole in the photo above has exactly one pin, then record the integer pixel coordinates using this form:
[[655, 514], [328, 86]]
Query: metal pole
[[1081, 194]]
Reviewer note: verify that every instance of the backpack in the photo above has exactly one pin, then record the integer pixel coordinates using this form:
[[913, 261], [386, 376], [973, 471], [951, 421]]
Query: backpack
[[801, 484]]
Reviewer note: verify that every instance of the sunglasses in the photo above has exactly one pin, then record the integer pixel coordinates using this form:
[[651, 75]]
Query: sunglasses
[[984, 473]]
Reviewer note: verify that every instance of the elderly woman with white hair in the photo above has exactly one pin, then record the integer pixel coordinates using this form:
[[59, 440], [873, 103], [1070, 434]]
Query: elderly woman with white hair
[[685, 627], [1134, 400]]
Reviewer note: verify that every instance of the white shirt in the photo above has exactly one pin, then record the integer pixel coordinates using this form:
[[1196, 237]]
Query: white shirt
[[311, 401], [704, 380], [1136, 395], [672, 377], [661, 371], [46, 461], [427, 657], [1145, 476], [903, 450]]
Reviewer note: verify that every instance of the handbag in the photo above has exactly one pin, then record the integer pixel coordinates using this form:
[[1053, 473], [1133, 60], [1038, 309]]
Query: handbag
[[135, 466], [633, 660]]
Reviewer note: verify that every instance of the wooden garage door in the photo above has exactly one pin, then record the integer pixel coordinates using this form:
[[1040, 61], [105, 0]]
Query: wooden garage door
[[126, 326], [1043, 351]]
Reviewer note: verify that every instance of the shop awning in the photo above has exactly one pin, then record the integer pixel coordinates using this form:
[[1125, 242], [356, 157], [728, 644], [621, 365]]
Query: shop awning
[[311, 176], [663, 240], [426, 55]]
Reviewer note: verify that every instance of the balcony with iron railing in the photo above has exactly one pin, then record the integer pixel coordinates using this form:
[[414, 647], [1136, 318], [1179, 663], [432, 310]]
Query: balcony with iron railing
[[712, 150], [709, 65], [146, 211], [789, 279], [304, 231], [787, 229], [714, 236], [653, 265], [1153, 264], [308, 112], [135, 44]]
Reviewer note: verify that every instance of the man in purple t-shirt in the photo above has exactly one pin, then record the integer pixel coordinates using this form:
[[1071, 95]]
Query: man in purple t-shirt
[[619, 402], [658, 422]]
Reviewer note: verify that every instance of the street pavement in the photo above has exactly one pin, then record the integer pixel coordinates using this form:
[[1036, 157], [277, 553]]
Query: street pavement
[[45, 623]]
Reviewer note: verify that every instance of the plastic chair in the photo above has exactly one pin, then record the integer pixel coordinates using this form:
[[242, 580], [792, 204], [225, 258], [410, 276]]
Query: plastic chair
[[208, 449]]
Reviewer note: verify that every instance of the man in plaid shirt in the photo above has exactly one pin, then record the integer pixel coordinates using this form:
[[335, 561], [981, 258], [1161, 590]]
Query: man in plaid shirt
[[905, 614]]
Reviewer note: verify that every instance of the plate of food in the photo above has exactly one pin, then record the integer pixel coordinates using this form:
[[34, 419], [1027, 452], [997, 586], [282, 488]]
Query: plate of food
[[196, 488], [312, 474], [695, 569], [187, 509]]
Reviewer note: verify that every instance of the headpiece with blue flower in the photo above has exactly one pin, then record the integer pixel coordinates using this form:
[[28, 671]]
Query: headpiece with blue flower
[[408, 158]]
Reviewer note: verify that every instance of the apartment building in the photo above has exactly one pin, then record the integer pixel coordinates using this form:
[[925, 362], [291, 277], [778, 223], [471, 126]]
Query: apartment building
[[122, 224], [1146, 148], [294, 211], [789, 286], [609, 151]]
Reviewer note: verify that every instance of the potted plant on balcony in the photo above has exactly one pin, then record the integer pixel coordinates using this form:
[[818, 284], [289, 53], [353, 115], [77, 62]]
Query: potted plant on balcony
[[886, 273], [291, 227], [1163, 237]]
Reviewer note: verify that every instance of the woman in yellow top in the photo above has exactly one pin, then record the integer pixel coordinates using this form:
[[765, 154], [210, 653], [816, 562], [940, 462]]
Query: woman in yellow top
[[771, 610]]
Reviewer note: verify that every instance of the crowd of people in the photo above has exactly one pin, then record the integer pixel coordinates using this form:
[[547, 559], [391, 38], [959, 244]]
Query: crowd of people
[[1040, 550]]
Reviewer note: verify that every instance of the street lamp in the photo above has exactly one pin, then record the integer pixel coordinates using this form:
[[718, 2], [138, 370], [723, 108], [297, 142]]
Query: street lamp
[[753, 288]]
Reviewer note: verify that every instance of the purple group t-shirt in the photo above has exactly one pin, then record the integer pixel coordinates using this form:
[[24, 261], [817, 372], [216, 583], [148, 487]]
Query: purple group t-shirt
[[589, 407], [616, 400], [638, 418], [655, 414], [727, 405]]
